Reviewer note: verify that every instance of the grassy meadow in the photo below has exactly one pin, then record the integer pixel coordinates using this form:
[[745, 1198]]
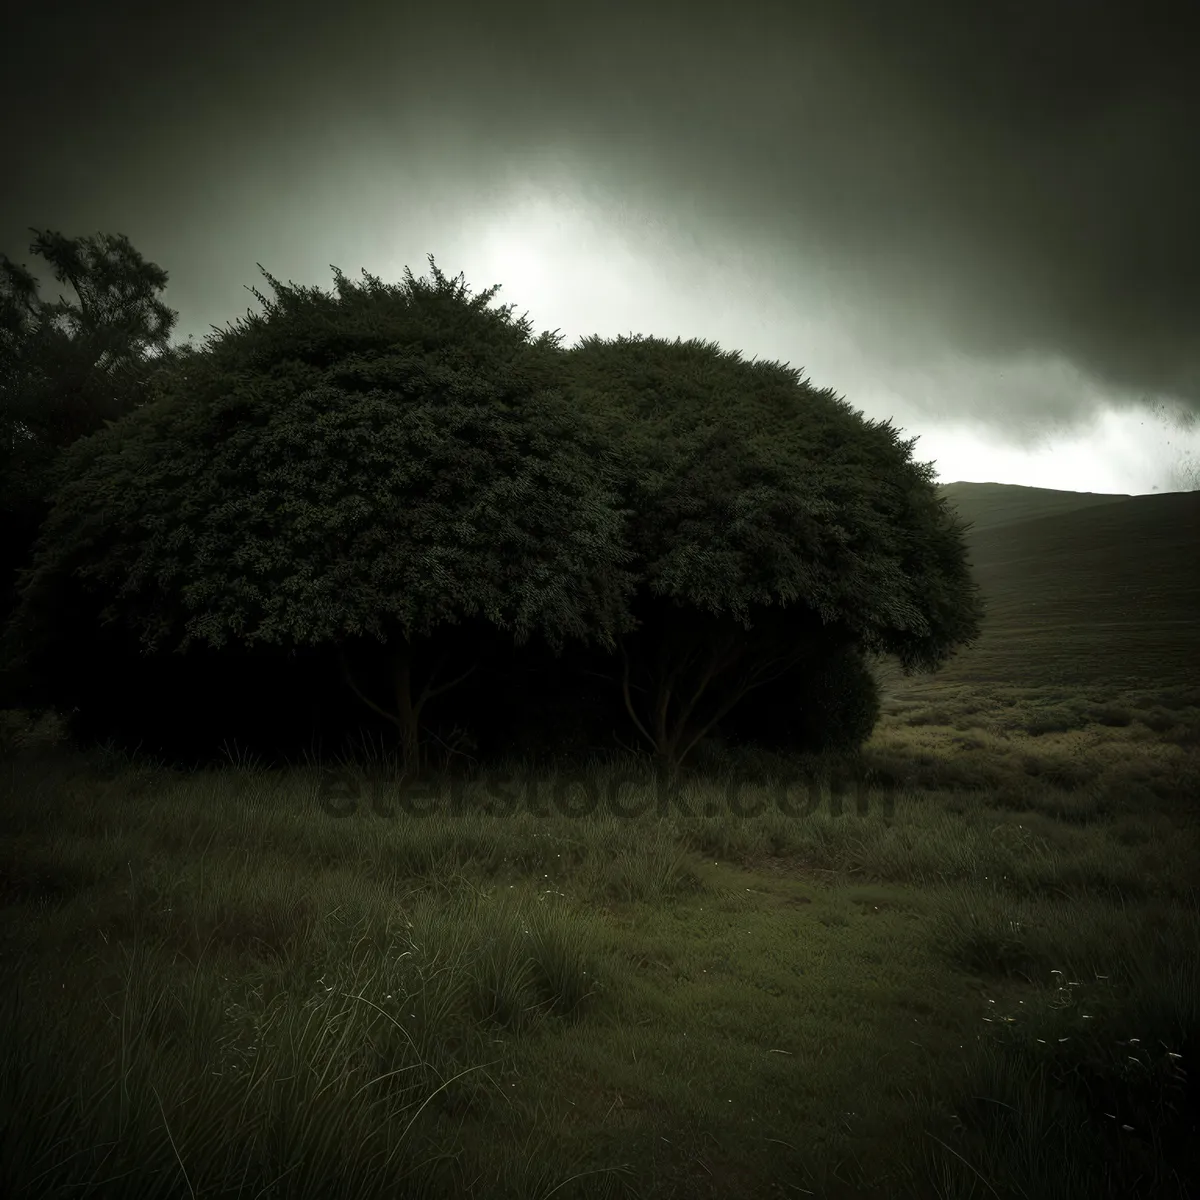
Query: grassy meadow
[[974, 975]]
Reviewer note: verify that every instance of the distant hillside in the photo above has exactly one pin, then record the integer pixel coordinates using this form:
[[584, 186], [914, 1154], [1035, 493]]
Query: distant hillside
[[1106, 590], [990, 504]]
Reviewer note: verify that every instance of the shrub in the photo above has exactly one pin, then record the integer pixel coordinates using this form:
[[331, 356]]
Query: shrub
[[833, 704]]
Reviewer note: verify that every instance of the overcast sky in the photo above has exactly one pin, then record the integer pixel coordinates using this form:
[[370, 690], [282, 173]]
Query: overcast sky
[[977, 219]]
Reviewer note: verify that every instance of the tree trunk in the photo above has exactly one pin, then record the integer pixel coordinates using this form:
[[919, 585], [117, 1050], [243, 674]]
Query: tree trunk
[[406, 715]]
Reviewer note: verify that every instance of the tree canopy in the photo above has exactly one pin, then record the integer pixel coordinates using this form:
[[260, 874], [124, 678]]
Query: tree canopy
[[756, 489], [773, 505], [386, 462]]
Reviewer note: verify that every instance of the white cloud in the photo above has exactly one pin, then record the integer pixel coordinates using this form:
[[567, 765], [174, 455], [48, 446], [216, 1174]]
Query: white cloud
[[578, 268]]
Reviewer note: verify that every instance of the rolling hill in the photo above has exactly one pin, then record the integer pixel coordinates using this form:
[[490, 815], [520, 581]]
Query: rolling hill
[[1083, 590], [987, 505]]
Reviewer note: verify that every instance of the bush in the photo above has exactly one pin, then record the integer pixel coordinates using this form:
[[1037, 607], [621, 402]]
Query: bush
[[833, 704]]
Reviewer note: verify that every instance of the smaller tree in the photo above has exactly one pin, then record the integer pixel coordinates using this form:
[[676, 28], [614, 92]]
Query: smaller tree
[[66, 369], [773, 520]]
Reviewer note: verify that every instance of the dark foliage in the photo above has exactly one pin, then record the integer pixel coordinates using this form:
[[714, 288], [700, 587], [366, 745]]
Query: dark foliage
[[832, 703], [393, 510], [65, 370]]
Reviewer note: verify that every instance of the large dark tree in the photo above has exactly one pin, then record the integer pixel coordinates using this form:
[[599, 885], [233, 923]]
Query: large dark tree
[[772, 522], [369, 467], [375, 467]]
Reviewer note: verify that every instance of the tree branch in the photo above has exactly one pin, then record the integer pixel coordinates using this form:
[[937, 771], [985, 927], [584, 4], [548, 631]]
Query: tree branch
[[429, 691], [628, 699]]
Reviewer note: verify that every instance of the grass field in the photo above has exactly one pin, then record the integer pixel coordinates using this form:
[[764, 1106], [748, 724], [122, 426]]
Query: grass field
[[979, 978]]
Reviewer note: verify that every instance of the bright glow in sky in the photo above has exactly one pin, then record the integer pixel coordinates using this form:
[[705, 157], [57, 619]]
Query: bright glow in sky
[[578, 269], [1118, 453]]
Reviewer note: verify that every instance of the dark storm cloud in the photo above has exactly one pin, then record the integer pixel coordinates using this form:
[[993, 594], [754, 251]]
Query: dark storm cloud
[[1002, 182]]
